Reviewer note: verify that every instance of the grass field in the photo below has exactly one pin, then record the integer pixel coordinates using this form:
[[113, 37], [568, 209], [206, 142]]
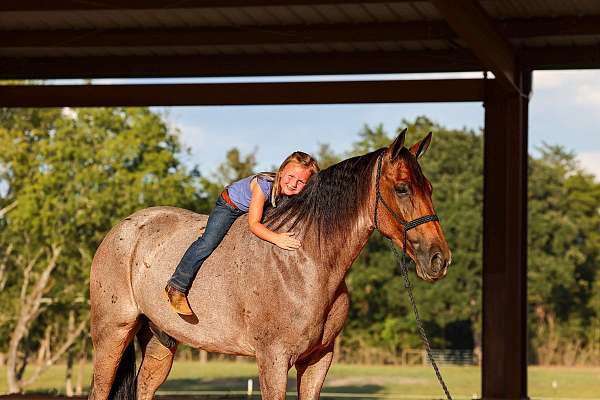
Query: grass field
[[360, 380]]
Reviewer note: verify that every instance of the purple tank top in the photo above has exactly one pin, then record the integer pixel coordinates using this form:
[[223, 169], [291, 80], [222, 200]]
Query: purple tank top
[[241, 194]]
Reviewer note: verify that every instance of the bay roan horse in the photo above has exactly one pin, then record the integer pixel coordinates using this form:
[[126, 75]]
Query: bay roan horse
[[252, 298]]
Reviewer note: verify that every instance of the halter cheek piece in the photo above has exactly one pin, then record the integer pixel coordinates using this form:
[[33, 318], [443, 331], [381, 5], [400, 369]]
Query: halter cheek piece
[[406, 226]]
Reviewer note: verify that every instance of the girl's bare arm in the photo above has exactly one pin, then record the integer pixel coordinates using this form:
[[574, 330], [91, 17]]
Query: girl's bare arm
[[285, 240]]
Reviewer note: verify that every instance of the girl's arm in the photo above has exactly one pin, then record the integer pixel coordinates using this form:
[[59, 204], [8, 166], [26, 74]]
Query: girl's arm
[[255, 212]]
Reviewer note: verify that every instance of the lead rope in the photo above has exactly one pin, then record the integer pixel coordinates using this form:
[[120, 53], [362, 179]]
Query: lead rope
[[400, 257], [407, 285]]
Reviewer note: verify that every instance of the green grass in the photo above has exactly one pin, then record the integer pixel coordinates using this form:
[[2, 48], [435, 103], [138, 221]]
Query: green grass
[[369, 380]]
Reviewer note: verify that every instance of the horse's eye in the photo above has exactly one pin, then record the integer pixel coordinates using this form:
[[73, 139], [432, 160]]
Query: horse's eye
[[402, 190]]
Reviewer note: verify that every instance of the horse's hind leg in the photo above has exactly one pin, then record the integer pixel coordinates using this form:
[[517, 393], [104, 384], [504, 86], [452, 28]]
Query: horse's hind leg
[[110, 355], [156, 363], [312, 372], [114, 322]]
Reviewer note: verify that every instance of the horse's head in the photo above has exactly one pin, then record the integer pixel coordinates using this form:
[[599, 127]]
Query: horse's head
[[406, 192]]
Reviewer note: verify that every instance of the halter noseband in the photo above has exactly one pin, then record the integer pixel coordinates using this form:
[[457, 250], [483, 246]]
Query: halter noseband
[[406, 226]]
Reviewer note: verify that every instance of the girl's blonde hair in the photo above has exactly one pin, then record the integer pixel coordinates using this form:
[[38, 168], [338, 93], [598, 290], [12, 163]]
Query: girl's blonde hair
[[306, 160]]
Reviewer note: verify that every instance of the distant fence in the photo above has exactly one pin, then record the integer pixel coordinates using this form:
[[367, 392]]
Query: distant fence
[[456, 357], [373, 356]]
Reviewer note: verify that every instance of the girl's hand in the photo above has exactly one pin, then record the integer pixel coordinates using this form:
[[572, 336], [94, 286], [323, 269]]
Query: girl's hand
[[255, 212], [286, 241]]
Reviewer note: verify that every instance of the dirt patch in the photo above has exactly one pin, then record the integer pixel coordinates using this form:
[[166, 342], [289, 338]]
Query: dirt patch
[[375, 380]]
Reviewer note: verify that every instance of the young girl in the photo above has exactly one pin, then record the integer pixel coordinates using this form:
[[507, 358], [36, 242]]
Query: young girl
[[248, 195]]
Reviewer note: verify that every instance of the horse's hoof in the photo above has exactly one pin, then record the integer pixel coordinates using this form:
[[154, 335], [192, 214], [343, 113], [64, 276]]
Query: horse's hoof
[[178, 301]]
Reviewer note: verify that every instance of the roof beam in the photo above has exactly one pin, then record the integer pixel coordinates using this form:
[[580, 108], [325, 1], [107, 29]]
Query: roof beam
[[558, 26], [220, 94], [249, 35], [278, 34], [468, 19], [579, 57], [289, 64], [236, 65], [82, 5]]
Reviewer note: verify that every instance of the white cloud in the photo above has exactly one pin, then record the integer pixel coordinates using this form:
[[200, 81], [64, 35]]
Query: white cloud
[[580, 87], [588, 95], [590, 161], [549, 79]]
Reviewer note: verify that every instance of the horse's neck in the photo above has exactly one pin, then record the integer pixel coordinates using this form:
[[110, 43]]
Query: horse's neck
[[344, 248]]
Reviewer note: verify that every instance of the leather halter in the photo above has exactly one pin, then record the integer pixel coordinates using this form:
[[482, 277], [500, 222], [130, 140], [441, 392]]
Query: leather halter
[[406, 225]]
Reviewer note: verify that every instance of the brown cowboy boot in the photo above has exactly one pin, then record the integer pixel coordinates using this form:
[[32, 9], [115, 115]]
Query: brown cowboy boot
[[178, 300]]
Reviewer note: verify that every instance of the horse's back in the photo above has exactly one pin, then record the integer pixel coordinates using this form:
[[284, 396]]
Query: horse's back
[[243, 287], [159, 237], [114, 264], [120, 248]]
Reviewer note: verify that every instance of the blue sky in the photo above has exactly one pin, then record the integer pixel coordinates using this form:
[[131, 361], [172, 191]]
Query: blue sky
[[564, 109], [277, 131]]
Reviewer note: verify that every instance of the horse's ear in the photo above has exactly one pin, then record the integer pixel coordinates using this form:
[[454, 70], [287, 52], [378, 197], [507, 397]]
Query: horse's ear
[[397, 144], [419, 148]]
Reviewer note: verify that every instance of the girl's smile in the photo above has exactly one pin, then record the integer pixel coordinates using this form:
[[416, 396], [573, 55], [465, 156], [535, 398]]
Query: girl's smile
[[293, 178]]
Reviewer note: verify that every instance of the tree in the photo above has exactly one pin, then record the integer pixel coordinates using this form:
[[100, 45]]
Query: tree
[[564, 243], [326, 156], [370, 139], [235, 167], [380, 313], [563, 255], [72, 176]]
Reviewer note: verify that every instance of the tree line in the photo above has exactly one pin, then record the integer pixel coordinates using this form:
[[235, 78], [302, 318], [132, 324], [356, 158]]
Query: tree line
[[67, 176]]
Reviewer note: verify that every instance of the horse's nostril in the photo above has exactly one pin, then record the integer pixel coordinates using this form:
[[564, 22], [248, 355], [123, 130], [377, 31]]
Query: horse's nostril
[[437, 263]]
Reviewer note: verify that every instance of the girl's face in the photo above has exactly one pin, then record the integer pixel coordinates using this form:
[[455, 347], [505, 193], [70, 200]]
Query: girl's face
[[293, 177]]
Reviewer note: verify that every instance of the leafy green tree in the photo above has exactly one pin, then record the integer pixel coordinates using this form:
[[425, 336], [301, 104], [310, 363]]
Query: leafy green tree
[[235, 167], [72, 176], [326, 156], [564, 243], [564, 252], [454, 165], [370, 139]]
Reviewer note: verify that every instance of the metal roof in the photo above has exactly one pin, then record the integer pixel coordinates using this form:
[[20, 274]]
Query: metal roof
[[33, 32]]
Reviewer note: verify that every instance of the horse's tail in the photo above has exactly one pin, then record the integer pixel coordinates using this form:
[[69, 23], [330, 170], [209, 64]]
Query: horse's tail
[[125, 383]]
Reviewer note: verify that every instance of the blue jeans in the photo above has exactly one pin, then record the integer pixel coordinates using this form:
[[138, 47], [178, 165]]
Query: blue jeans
[[219, 221]]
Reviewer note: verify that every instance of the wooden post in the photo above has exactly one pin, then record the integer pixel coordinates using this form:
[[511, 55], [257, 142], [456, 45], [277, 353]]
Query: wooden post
[[504, 364], [203, 357]]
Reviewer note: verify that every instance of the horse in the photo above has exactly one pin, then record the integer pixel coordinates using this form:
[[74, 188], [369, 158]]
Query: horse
[[251, 298]]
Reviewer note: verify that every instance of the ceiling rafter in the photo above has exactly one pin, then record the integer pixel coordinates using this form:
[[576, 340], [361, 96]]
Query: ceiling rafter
[[285, 64], [288, 34], [237, 65], [469, 20], [323, 33], [81, 5]]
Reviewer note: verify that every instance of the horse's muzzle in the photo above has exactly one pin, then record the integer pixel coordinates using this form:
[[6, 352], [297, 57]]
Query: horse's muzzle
[[434, 266]]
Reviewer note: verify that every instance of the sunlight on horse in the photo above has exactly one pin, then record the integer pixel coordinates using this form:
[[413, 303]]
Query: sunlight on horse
[[283, 307]]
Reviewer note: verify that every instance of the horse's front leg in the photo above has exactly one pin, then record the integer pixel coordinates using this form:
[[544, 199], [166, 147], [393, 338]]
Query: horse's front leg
[[313, 369], [273, 366], [311, 373]]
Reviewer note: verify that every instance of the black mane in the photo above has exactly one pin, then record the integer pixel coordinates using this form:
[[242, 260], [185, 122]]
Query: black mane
[[335, 194]]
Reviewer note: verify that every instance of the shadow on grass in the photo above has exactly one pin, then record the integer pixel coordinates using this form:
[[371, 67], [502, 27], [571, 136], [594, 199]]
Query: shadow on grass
[[355, 389], [240, 383]]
